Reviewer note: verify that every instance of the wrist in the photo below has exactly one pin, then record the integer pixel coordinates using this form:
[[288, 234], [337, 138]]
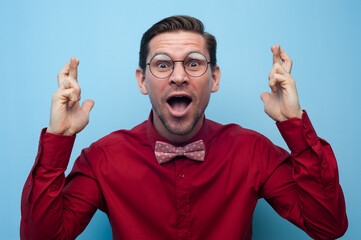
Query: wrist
[[295, 115], [298, 114], [63, 133]]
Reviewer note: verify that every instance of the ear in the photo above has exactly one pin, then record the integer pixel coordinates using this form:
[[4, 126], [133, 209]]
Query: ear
[[216, 76], [141, 81]]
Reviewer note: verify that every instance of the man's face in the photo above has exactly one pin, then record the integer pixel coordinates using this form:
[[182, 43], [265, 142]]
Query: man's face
[[179, 100]]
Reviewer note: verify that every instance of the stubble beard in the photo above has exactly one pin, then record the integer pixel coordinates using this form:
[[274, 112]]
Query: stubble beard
[[176, 125]]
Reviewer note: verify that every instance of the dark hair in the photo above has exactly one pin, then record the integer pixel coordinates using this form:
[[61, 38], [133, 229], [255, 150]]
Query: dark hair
[[172, 24]]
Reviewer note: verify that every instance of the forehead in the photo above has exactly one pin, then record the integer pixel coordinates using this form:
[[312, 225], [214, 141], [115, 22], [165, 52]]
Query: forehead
[[177, 44]]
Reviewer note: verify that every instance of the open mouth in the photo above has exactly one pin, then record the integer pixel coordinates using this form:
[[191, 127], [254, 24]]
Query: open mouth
[[179, 103]]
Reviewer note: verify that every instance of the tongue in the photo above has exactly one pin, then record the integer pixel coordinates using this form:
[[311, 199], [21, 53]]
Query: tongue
[[179, 105]]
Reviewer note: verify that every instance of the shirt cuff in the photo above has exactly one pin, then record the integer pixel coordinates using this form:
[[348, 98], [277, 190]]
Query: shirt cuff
[[55, 150], [298, 134]]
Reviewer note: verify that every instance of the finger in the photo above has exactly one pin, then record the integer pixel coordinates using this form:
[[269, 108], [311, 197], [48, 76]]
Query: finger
[[276, 54], [280, 80], [277, 68], [72, 87], [265, 97], [273, 71], [87, 105], [73, 68], [273, 84], [63, 74], [68, 96], [71, 83], [286, 61], [271, 77]]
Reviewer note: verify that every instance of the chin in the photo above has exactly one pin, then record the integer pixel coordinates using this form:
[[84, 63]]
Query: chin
[[179, 127]]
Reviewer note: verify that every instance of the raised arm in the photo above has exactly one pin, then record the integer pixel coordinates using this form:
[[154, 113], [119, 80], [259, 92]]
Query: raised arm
[[304, 188], [51, 208]]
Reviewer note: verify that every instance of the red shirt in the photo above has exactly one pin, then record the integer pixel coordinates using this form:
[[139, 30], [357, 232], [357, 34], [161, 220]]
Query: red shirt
[[184, 199]]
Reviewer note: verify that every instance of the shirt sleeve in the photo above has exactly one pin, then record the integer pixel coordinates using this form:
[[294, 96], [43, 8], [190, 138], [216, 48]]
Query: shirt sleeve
[[304, 187], [51, 207]]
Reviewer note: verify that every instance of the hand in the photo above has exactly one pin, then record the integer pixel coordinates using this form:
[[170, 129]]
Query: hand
[[282, 103], [67, 117]]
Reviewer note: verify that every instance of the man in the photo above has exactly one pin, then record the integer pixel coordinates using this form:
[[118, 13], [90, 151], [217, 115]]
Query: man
[[179, 175]]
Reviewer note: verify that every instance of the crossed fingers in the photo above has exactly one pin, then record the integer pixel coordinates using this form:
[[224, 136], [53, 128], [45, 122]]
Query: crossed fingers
[[280, 56], [68, 82], [280, 72]]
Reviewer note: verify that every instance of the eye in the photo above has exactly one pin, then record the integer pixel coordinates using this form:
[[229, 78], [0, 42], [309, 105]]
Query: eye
[[193, 64], [163, 64]]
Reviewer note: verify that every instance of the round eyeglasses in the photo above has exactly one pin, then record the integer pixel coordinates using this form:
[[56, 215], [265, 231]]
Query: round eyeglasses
[[195, 64]]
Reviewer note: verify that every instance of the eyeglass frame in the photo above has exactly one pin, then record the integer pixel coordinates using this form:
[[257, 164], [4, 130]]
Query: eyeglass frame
[[182, 61]]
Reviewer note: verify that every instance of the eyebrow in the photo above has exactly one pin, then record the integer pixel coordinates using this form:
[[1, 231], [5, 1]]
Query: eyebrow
[[162, 52]]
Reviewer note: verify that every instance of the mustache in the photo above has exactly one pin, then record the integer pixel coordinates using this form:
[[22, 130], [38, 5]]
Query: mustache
[[180, 89]]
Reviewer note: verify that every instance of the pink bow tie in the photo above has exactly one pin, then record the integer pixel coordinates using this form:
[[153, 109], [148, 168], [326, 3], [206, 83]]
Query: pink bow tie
[[165, 152]]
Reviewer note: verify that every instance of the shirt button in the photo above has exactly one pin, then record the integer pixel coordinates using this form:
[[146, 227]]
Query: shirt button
[[309, 136], [181, 175], [184, 212]]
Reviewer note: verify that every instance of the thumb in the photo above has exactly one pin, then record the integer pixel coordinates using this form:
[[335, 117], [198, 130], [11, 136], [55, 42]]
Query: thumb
[[87, 105], [265, 97]]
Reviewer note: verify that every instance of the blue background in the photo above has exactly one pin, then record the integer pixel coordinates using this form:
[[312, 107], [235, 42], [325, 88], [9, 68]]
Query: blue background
[[39, 37]]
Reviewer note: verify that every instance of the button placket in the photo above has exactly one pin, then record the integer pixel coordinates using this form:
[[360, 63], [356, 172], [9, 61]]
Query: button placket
[[183, 199]]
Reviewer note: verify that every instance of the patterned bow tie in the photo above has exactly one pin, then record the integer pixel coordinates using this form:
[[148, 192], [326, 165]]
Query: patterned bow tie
[[165, 152]]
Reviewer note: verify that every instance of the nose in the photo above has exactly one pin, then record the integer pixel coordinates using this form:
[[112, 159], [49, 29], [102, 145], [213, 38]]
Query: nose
[[179, 75]]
